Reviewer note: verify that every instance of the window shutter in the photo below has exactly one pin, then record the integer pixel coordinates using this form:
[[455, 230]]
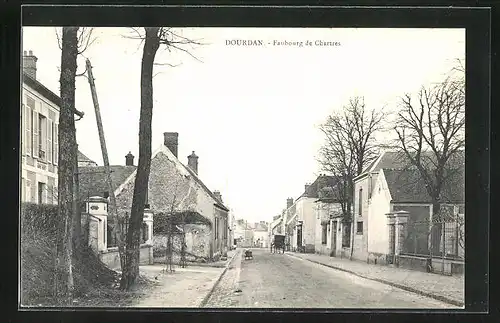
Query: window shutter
[[56, 143], [35, 134], [29, 140], [49, 140], [23, 130], [43, 135]]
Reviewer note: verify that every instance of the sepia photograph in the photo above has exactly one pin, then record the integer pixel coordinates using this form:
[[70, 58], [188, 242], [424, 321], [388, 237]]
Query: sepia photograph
[[230, 167]]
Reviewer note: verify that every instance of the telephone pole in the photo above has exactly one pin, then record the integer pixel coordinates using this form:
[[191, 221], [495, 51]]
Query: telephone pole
[[114, 212]]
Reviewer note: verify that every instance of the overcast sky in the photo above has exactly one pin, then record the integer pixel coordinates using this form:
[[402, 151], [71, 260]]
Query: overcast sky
[[249, 112]]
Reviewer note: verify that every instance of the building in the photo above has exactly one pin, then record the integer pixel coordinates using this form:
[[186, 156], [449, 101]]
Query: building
[[84, 161], [244, 234], [328, 211], [393, 216], [39, 137], [261, 235], [173, 188]]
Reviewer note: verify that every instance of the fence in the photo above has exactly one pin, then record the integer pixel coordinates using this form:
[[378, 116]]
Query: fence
[[438, 239]]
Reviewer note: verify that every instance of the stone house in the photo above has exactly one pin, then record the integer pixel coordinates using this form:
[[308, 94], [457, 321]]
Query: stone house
[[173, 188], [395, 212]]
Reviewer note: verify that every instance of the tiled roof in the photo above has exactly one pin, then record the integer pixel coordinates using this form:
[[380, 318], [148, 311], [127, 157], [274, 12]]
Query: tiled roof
[[209, 192], [408, 186], [329, 182], [398, 160], [92, 180], [82, 157]]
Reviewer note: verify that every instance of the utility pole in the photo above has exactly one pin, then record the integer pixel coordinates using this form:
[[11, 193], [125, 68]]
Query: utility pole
[[114, 212]]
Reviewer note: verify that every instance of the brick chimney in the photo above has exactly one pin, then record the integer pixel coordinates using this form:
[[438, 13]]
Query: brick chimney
[[218, 195], [289, 202], [29, 64], [129, 159], [306, 189], [171, 141], [193, 162]]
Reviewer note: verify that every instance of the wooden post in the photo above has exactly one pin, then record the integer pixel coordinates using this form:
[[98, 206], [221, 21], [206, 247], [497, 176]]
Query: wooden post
[[114, 212]]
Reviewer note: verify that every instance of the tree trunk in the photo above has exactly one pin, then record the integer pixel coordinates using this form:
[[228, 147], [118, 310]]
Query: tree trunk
[[131, 270], [77, 218], [67, 149]]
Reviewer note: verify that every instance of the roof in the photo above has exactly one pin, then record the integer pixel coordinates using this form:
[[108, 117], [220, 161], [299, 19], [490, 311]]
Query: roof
[[261, 227], [328, 182], [408, 186], [83, 158], [398, 160], [218, 202], [40, 88], [92, 179], [124, 174]]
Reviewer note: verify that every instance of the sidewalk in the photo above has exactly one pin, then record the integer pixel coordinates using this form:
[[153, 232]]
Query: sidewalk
[[448, 289], [185, 287]]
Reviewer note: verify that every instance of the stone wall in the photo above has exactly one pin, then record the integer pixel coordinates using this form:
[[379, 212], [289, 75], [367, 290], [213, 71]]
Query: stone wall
[[198, 237], [111, 257]]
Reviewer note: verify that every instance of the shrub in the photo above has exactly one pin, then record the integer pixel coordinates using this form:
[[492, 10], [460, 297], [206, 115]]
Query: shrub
[[38, 259]]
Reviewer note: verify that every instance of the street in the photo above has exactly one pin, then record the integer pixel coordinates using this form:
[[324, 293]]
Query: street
[[279, 280]]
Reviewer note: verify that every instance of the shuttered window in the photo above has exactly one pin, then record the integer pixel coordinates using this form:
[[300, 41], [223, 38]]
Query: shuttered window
[[23, 129], [55, 143], [35, 131], [28, 117], [49, 141]]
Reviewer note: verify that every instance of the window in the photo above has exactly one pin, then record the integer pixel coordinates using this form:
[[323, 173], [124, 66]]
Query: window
[[216, 228], [49, 140], [42, 137], [55, 144], [35, 133], [360, 202], [29, 123], [41, 193], [359, 227], [324, 232], [346, 235]]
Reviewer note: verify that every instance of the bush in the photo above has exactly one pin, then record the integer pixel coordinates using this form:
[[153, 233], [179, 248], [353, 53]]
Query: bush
[[38, 259]]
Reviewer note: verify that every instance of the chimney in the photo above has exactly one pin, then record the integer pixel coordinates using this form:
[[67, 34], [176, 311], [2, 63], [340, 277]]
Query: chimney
[[322, 182], [171, 140], [218, 196], [306, 189], [289, 202], [129, 159], [193, 162], [29, 64]]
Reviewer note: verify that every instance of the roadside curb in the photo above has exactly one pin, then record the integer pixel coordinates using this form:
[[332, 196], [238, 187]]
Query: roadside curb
[[226, 267], [403, 287]]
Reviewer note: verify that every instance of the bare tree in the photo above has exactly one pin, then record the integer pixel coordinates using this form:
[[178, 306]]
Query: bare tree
[[349, 147], [84, 39], [431, 135], [67, 167], [153, 38]]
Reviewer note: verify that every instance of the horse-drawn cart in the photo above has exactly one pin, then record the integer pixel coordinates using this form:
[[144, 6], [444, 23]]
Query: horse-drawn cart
[[278, 243]]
